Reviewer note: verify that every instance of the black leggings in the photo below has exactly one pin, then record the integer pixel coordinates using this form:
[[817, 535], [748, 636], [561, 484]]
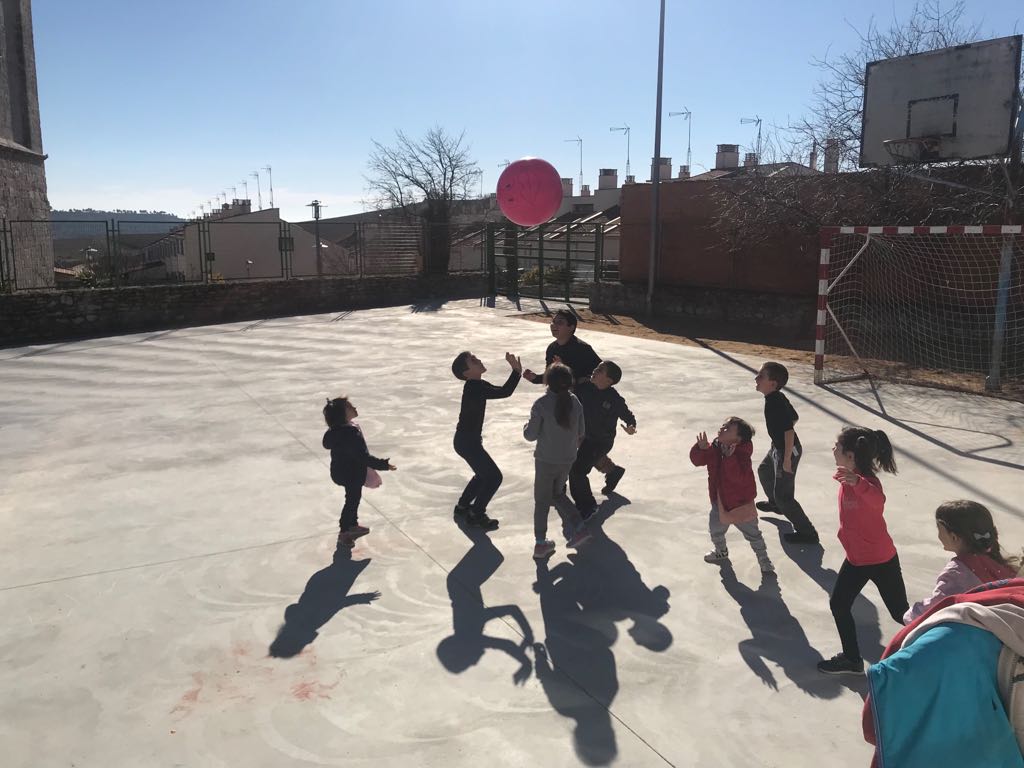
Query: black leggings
[[887, 577], [486, 475], [350, 512]]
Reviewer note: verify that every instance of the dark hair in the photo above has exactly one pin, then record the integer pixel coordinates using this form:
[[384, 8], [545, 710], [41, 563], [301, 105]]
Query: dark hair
[[871, 449], [558, 378], [613, 371], [568, 316], [743, 429], [460, 364], [776, 372], [335, 412], [972, 523]]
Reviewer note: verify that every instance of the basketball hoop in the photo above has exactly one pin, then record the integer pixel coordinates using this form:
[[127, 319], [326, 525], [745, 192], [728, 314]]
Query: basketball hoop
[[913, 149]]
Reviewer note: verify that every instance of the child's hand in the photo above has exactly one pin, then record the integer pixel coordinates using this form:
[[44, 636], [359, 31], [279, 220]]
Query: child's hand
[[787, 466], [513, 361], [629, 429], [556, 359], [391, 467], [847, 476], [529, 375], [702, 441]]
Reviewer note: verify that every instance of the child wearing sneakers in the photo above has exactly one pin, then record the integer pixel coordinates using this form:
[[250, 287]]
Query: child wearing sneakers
[[778, 469], [556, 424], [732, 488], [350, 463], [472, 505], [603, 408]]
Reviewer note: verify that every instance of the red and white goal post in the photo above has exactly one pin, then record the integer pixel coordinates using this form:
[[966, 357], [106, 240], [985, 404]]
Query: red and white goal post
[[924, 305]]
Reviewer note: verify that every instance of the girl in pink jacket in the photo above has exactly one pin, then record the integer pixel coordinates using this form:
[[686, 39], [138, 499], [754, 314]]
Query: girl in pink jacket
[[870, 553], [966, 529]]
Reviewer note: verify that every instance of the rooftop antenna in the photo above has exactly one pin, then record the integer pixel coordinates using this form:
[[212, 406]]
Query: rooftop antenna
[[623, 129], [259, 193], [245, 188], [755, 120], [234, 193], [579, 141], [270, 178], [687, 114], [504, 164]]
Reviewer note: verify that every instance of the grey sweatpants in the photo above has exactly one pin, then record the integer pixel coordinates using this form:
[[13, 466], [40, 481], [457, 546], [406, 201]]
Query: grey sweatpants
[[750, 530], [549, 488]]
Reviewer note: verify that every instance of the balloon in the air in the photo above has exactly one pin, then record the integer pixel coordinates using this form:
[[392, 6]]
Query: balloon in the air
[[529, 191]]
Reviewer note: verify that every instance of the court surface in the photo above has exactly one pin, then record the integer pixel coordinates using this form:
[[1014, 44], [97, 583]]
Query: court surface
[[169, 595]]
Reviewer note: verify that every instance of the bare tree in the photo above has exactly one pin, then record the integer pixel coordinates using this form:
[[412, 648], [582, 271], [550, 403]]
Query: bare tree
[[771, 202], [837, 106], [423, 177]]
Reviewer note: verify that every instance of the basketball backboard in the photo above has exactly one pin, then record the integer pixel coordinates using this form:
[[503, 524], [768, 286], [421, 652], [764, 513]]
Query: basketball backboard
[[955, 103]]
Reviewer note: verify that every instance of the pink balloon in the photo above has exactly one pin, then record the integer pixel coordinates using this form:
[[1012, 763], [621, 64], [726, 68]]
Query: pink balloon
[[529, 191]]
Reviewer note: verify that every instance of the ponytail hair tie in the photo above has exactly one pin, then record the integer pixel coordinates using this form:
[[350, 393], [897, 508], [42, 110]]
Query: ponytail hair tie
[[982, 536]]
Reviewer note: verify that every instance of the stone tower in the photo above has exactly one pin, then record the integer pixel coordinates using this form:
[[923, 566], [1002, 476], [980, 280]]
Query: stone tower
[[26, 253]]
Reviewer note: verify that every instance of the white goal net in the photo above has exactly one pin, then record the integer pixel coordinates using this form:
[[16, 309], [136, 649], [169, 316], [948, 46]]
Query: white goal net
[[939, 306]]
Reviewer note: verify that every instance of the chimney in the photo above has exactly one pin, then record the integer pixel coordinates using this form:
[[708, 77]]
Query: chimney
[[566, 187], [585, 190], [831, 155], [750, 160], [608, 178], [684, 171], [664, 168], [727, 156], [814, 155]]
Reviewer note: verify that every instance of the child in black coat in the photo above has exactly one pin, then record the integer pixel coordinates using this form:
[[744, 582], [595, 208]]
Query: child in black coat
[[350, 462]]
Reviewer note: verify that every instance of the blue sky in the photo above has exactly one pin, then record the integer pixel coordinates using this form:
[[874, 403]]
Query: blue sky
[[163, 105]]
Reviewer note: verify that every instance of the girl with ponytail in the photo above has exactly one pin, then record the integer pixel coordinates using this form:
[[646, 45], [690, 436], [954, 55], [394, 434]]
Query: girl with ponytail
[[870, 554], [966, 529], [556, 424]]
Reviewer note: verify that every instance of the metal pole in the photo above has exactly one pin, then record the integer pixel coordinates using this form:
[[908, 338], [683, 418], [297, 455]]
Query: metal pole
[[656, 170], [259, 193], [270, 178], [992, 382]]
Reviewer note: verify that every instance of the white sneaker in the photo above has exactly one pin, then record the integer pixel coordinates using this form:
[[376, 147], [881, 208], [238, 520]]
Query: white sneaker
[[716, 555]]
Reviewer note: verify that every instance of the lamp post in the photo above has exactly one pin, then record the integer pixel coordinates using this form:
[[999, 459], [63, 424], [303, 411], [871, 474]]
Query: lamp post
[[316, 205], [656, 169]]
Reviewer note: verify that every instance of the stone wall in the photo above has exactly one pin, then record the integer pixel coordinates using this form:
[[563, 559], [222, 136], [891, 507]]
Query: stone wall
[[26, 252], [48, 316], [769, 314]]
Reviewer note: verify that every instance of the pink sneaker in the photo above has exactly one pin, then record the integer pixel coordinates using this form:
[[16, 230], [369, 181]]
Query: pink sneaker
[[581, 536]]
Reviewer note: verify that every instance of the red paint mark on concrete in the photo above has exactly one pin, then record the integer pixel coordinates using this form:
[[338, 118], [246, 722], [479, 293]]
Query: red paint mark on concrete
[[191, 697]]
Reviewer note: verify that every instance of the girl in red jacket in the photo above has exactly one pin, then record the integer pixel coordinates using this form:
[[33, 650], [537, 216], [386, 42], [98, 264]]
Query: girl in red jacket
[[732, 488], [870, 553]]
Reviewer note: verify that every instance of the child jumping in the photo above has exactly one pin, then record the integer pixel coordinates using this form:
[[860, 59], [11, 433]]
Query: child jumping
[[966, 529], [557, 424], [778, 469], [350, 462], [870, 553], [732, 488], [603, 408], [472, 505]]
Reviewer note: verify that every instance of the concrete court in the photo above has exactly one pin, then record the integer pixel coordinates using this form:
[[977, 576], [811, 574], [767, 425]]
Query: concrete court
[[168, 518]]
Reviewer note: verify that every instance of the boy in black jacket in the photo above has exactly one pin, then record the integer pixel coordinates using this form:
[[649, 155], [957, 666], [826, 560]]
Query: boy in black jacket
[[350, 459], [603, 408], [472, 505]]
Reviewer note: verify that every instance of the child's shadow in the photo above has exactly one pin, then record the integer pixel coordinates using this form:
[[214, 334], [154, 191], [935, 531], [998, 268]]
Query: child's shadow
[[865, 614], [325, 594], [575, 664], [582, 602], [776, 636], [467, 643]]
